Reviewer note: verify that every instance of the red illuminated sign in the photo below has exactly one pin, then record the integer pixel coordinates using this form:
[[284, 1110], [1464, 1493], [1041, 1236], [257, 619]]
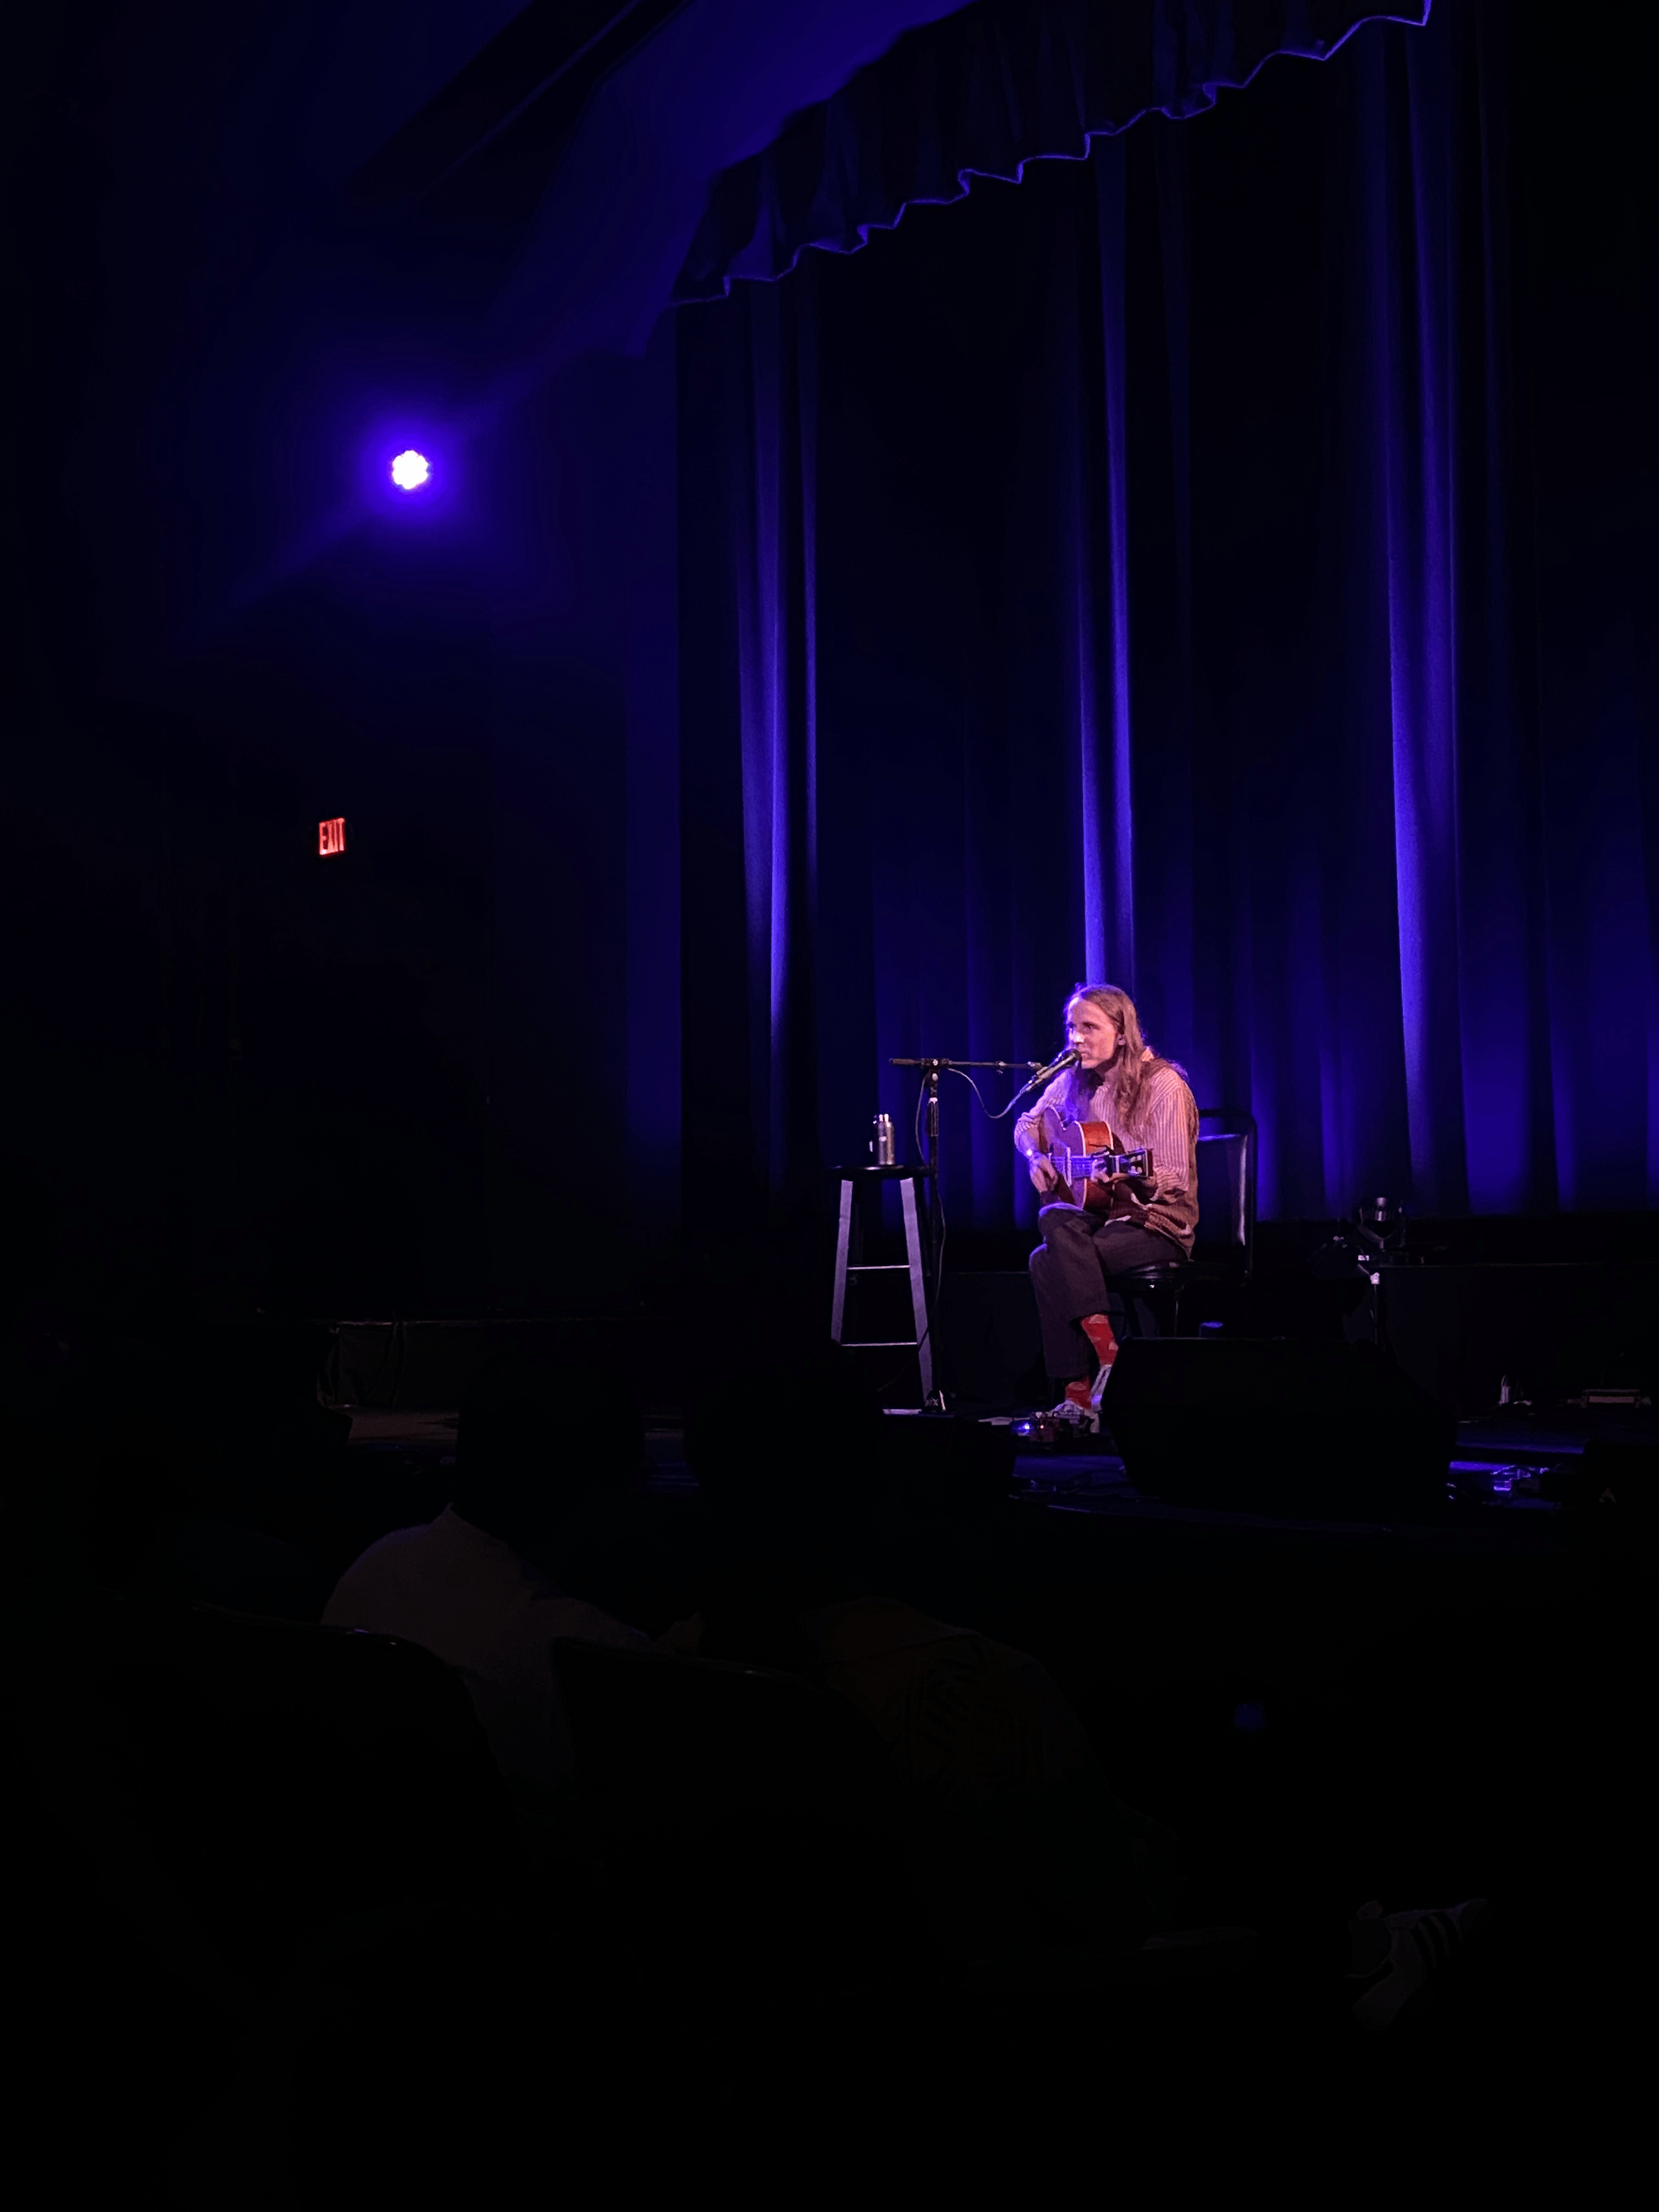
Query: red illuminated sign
[[331, 836]]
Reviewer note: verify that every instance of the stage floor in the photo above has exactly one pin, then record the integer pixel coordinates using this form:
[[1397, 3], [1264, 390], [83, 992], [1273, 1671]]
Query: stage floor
[[1510, 1472]]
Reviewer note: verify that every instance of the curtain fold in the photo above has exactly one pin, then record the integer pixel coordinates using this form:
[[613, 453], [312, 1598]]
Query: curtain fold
[[748, 615]]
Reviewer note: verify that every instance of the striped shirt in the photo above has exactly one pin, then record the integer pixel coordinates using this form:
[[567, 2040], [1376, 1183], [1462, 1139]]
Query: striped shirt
[[1165, 1121]]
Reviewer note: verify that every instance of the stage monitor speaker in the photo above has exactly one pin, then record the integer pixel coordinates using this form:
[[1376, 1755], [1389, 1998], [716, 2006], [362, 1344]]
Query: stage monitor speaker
[[935, 1460], [1320, 1431]]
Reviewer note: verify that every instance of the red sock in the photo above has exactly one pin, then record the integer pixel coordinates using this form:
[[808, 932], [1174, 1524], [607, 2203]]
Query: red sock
[[1099, 1330]]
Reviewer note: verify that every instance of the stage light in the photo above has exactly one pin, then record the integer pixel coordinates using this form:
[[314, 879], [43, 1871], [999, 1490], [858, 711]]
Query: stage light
[[410, 470]]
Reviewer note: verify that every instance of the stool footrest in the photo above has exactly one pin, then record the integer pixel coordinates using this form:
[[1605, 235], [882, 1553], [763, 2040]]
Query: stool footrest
[[880, 1267]]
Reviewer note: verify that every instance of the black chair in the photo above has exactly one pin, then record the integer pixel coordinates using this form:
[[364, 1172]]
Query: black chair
[[1225, 1253], [768, 1866], [774, 1803], [255, 1797], [1225, 1249]]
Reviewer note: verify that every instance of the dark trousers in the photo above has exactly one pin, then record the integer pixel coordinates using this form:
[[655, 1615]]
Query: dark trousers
[[1072, 1272]]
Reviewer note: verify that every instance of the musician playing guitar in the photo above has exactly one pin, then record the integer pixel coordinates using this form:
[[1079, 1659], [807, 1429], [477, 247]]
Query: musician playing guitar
[[1119, 1098]]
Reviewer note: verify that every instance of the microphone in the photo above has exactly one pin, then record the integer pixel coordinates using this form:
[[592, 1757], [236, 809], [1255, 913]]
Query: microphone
[[1066, 1059]]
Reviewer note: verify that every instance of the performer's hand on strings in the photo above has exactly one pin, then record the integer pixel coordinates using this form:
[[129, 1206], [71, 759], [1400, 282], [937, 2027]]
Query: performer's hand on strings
[[1044, 1176]]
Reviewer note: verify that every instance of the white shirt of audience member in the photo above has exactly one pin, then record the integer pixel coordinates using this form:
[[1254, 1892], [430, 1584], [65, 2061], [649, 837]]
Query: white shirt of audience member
[[476, 1604]]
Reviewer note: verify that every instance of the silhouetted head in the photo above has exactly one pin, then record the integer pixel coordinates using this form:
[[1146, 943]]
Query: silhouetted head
[[787, 1448], [541, 1441]]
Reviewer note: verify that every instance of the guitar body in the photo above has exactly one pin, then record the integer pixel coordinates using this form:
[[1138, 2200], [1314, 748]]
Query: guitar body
[[1084, 1155]]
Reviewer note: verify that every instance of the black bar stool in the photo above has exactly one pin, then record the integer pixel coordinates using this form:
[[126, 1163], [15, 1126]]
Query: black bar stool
[[1151, 1298], [856, 1183]]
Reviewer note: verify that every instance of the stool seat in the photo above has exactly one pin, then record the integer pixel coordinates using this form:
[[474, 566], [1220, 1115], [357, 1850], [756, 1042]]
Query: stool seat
[[854, 1181], [1157, 1287], [867, 1171]]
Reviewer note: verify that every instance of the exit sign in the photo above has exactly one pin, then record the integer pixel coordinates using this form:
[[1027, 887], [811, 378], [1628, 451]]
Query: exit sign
[[331, 836]]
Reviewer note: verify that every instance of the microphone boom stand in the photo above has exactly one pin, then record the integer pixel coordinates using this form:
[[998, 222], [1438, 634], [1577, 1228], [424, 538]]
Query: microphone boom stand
[[932, 1067]]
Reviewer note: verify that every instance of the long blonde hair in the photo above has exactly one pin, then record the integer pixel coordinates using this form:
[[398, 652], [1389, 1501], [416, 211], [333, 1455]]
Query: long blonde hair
[[1127, 1076]]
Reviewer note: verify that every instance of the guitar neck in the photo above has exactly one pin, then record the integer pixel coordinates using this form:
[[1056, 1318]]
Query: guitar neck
[[1095, 1167]]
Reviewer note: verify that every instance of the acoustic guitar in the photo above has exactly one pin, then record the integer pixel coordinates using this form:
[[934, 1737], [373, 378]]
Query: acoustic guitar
[[1083, 1154]]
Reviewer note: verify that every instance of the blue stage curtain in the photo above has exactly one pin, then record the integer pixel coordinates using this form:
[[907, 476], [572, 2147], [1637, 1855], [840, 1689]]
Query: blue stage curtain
[[1224, 568], [749, 794]]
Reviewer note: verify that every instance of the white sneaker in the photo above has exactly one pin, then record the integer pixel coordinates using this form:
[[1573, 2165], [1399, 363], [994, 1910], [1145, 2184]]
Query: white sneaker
[[1085, 1419]]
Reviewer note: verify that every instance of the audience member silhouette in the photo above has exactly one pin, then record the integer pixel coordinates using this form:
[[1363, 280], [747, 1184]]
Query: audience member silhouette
[[538, 1455], [1007, 1788], [1027, 1848], [116, 1480]]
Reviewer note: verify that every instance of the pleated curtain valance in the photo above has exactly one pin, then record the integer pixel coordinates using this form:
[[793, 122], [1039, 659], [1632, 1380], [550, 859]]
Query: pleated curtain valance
[[979, 93]]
